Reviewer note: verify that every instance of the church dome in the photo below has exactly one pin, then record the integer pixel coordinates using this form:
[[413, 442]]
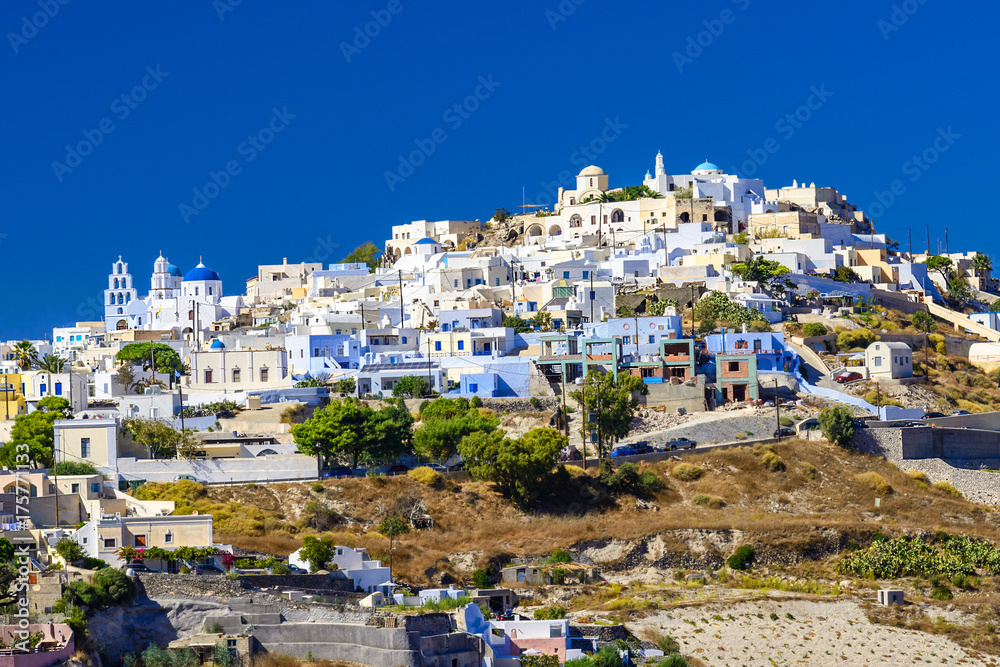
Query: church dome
[[173, 270], [706, 166], [201, 272], [425, 241], [592, 170], [217, 345]]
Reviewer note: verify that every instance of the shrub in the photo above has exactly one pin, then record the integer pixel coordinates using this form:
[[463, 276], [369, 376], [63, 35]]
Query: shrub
[[837, 425], [687, 472], [874, 481], [742, 558], [668, 644], [73, 468], [808, 470], [741, 436], [786, 421], [879, 399], [712, 502], [937, 341], [317, 487], [774, 616], [281, 568], [69, 550], [534, 403], [673, 660], [813, 329], [476, 402], [550, 613], [560, 556], [481, 579], [941, 593], [916, 475], [116, 586], [425, 475], [947, 489], [855, 339], [627, 478], [772, 462]]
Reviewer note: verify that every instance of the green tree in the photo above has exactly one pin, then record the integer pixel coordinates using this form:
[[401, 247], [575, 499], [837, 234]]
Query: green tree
[[125, 376], [613, 401], [50, 363], [837, 425], [351, 429], [56, 405], [958, 289], [516, 323], [542, 319], [73, 468], [501, 215], [718, 306], [166, 358], [684, 193], [412, 386], [24, 354], [995, 306], [8, 566], [845, 274], [160, 439], [316, 551], [366, 253], [940, 264], [36, 430], [116, 586], [445, 422], [659, 307], [345, 386], [770, 275], [392, 527], [624, 310], [982, 264], [520, 467]]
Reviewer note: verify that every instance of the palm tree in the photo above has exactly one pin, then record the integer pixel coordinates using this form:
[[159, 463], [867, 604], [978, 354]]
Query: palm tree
[[983, 266], [25, 354], [52, 364]]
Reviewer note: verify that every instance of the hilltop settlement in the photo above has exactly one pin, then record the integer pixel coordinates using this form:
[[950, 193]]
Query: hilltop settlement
[[694, 421]]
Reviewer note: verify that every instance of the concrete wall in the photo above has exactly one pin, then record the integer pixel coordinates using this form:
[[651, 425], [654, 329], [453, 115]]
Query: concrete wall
[[221, 471], [361, 644], [926, 443], [676, 396]]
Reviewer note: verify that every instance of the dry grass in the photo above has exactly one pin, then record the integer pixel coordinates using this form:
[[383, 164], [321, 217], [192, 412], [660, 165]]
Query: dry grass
[[916, 475], [818, 491], [712, 502], [281, 660], [948, 489]]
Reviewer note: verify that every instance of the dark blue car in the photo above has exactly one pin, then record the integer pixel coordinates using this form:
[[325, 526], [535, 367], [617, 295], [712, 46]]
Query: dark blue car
[[623, 451]]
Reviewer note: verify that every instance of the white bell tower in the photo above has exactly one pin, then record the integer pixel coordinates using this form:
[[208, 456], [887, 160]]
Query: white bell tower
[[120, 293]]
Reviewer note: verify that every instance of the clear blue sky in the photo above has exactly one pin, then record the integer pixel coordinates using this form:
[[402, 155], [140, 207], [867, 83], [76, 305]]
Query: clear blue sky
[[555, 85]]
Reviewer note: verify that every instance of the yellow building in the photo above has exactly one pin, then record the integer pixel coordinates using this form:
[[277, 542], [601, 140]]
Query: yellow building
[[789, 224], [101, 538], [12, 401], [93, 441]]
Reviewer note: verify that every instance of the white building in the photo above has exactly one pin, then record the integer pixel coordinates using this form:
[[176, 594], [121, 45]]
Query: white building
[[889, 360], [220, 370], [367, 574], [122, 307]]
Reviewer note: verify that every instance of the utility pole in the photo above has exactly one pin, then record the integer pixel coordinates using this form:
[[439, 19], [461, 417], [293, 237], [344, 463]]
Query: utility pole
[[591, 305], [565, 415], [777, 409], [400, 298], [692, 312], [586, 415], [180, 395], [430, 382], [878, 399], [363, 327]]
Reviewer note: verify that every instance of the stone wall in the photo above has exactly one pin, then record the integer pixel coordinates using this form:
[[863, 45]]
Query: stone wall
[[364, 645]]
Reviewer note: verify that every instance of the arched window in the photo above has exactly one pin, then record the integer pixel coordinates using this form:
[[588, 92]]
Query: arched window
[[121, 299], [118, 268], [121, 311], [111, 299], [128, 297], [685, 217], [617, 215], [139, 322], [116, 283]]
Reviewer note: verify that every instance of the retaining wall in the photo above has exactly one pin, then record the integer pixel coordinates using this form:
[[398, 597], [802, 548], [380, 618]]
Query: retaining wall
[[219, 471], [360, 644]]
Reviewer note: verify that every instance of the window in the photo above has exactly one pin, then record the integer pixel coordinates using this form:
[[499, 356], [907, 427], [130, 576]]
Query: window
[[85, 540], [878, 361], [497, 282], [140, 540], [263, 375], [110, 543], [455, 283], [734, 367], [404, 340], [315, 351], [741, 345], [586, 274], [461, 344], [168, 538], [626, 340], [74, 488], [565, 274], [196, 290], [473, 387], [236, 375], [95, 487], [756, 345], [704, 218], [58, 388], [84, 448], [208, 376], [652, 339]]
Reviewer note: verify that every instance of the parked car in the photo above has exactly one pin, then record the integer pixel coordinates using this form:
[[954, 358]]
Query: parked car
[[436, 467], [295, 569], [623, 450], [207, 569], [810, 424], [339, 471], [680, 443], [642, 447], [860, 423], [932, 415], [960, 413], [457, 467], [848, 377], [189, 478], [138, 566], [784, 432], [398, 469]]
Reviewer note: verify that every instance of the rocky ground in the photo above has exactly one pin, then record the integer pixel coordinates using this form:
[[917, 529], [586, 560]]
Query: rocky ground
[[722, 426], [800, 632]]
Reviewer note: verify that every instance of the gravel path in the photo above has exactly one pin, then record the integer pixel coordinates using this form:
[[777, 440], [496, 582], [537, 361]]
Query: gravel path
[[722, 426], [818, 633]]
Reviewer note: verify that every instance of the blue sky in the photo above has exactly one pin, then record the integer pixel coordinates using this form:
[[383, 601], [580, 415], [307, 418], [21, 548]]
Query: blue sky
[[309, 128]]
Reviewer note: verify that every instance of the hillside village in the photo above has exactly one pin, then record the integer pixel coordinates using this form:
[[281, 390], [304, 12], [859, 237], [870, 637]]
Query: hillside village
[[697, 420]]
